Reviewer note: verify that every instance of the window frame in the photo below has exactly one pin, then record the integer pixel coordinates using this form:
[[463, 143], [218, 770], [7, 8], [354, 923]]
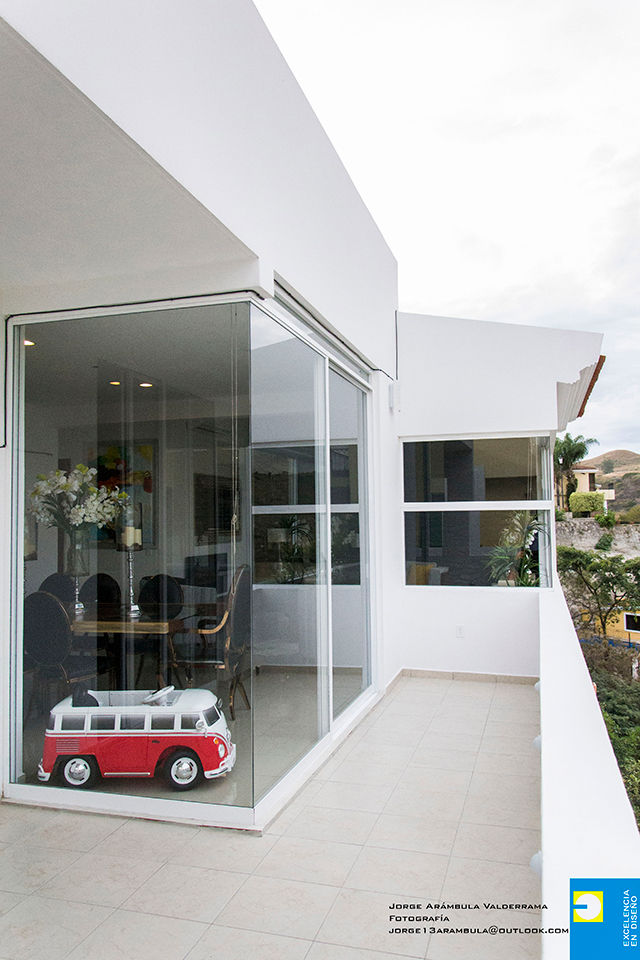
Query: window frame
[[544, 507]]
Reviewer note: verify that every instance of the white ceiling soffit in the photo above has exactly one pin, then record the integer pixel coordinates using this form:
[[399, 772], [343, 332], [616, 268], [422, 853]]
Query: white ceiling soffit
[[85, 208]]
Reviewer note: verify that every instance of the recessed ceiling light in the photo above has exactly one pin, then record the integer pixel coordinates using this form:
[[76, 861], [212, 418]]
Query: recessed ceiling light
[[145, 384], [114, 383], [29, 343]]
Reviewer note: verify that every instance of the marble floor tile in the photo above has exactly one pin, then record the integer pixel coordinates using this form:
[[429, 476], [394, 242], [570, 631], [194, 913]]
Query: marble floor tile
[[503, 811], [150, 839], [100, 879], [444, 759], [332, 951], [74, 831], [409, 800], [399, 873], [422, 834], [229, 943], [352, 796], [479, 881], [360, 918], [323, 823], [286, 907], [139, 936], [235, 850], [189, 893], [25, 868], [313, 861], [486, 842], [44, 929]]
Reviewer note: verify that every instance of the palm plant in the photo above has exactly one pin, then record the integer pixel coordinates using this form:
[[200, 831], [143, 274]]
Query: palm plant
[[512, 560], [567, 452]]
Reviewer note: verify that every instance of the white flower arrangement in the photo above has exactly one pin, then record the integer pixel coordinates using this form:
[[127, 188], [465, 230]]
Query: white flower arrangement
[[71, 501]]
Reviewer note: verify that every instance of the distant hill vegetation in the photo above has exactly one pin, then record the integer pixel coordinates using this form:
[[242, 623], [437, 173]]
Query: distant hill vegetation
[[614, 462], [619, 469]]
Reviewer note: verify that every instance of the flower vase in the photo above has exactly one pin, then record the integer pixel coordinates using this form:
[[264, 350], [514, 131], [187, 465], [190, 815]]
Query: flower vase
[[77, 564]]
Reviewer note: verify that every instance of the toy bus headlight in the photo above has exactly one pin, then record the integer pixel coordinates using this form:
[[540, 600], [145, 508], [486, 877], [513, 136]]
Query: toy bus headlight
[[221, 749]]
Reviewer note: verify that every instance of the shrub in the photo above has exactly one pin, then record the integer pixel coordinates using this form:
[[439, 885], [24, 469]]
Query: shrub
[[620, 702], [560, 515], [614, 661], [632, 515], [606, 520], [586, 503], [605, 541], [608, 465]]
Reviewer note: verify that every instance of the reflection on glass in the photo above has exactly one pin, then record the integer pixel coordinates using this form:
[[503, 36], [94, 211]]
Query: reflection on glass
[[284, 548], [477, 548], [349, 587], [513, 468], [290, 604], [284, 475], [154, 406]]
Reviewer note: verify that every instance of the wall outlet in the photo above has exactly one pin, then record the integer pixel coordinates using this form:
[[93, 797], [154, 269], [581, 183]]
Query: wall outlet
[[459, 631]]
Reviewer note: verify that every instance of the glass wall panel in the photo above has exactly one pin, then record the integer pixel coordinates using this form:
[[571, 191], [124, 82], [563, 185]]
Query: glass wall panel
[[511, 468], [290, 603], [133, 469], [478, 548], [349, 581]]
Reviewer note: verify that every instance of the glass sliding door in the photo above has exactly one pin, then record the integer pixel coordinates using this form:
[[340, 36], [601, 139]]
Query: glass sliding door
[[349, 552], [188, 483], [133, 490], [290, 609]]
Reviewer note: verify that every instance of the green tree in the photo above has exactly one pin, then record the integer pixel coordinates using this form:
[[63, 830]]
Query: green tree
[[608, 465], [567, 452], [598, 587]]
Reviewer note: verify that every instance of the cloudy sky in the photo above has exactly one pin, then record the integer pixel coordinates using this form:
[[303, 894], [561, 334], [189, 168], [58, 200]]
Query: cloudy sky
[[497, 145]]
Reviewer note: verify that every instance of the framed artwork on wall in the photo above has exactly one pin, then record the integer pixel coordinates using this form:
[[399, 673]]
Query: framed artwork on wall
[[134, 469]]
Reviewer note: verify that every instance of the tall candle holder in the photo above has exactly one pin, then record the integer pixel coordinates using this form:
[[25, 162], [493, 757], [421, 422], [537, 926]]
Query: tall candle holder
[[129, 538]]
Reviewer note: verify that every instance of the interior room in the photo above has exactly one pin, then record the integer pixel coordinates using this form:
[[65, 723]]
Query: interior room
[[192, 510]]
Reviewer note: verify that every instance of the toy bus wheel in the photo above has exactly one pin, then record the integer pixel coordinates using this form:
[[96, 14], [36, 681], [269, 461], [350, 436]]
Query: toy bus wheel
[[78, 772], [183, 770]]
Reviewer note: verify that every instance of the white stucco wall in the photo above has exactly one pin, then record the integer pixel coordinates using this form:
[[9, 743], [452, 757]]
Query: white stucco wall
[[467, 377], [464, 378], [202, 89]]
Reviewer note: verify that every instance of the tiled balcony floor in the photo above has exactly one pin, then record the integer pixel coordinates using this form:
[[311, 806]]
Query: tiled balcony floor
[[434, 796]]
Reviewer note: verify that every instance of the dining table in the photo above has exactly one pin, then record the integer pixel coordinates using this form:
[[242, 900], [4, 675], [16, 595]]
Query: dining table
[[115, 623]]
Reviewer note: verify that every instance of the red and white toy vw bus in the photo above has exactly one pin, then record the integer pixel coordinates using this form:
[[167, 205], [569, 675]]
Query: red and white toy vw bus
[[181, 734]]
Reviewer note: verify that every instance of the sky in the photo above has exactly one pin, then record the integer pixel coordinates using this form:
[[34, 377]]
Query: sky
[[497, 145]]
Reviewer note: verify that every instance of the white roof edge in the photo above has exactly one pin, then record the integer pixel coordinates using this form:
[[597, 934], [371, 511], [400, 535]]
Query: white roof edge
[[571, 396]]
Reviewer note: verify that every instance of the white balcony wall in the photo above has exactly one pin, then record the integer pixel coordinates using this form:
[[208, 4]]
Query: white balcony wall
[[588, 826]]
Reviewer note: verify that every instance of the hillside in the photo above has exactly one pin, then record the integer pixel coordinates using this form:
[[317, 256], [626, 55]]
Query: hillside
[[624, 477], [624, 461]]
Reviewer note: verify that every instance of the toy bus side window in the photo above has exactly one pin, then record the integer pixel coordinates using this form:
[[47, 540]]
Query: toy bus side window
[[132, 722], [69, 722], [188, 721], [104, 722], [163, 722]]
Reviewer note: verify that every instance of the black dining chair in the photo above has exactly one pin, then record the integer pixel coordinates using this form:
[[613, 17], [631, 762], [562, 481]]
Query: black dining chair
[[160, 598], [101, 589], [48, 644], [60, 585], [221, 645]]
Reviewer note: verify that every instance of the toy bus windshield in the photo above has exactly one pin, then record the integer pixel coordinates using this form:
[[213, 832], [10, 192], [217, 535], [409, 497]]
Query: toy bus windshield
[[211, 716]]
